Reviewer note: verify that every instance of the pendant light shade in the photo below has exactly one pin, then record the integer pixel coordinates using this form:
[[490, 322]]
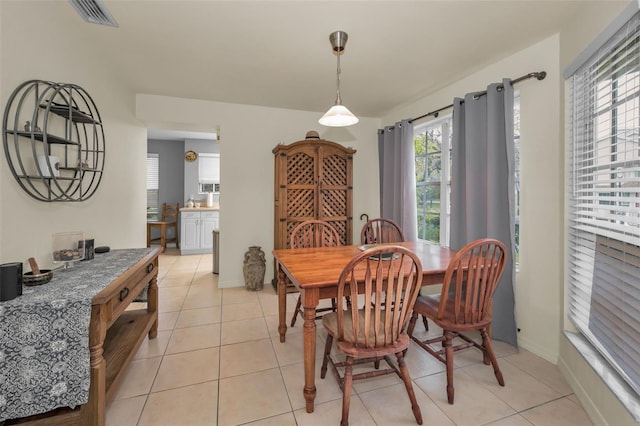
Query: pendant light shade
[[338, 115]]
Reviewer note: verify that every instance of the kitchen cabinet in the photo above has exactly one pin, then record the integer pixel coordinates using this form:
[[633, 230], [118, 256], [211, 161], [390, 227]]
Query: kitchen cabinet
[[196, 226]]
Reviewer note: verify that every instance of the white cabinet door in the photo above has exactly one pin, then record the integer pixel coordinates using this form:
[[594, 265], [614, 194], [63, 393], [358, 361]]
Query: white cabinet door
[[190, 231], [196, 236], [208, 222]]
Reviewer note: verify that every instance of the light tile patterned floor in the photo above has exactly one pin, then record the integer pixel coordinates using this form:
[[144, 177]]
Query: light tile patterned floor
[[217, 360]]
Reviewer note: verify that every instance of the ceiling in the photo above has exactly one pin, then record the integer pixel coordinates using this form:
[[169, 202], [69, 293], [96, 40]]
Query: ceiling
[[277, 53]]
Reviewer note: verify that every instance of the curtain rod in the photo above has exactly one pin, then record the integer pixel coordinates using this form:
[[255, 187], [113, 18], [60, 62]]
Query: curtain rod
[[538, 75]]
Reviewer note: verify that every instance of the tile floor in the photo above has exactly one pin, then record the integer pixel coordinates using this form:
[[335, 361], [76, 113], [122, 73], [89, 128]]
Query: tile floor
[[218, 360]]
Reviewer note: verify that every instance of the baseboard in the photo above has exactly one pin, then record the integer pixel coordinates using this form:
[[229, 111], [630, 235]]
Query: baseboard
[[185, 252], [587, 403], [538, 350]]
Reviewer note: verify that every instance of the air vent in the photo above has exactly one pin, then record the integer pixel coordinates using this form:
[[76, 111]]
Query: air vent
[[94, 12]]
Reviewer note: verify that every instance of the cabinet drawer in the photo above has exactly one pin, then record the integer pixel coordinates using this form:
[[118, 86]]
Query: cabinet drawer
[[190, 215], [130, 288], [209, 215]]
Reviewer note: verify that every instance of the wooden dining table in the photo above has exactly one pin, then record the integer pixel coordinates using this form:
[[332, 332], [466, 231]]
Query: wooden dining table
[[315, 272]]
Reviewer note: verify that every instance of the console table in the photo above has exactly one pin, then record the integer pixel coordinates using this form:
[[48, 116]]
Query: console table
[[79, 320]]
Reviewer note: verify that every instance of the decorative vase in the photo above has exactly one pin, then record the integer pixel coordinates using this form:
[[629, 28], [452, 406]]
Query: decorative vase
[[254, 267]]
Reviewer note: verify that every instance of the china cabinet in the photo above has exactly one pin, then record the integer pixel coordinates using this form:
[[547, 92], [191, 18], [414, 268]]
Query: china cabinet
[[313, 180]]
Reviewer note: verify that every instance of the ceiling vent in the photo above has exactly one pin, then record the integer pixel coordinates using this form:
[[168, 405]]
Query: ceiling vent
[[94, 12]]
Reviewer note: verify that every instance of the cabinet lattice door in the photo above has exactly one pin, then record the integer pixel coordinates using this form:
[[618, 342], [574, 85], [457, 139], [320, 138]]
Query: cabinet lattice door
[[313, 180]]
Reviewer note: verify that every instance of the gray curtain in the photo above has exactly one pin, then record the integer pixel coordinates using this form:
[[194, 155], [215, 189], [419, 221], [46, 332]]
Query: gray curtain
[[398, 177], [482, 187]]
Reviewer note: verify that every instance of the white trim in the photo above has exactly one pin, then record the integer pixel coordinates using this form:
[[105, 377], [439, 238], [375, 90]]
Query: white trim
[[602, 38]]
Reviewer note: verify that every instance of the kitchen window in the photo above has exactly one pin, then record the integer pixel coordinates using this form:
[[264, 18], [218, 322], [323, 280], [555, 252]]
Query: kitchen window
[[153, 173], [208, 173]]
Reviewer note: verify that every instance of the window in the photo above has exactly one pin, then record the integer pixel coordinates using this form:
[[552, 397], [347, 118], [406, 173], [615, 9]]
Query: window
[[433, 177], [604, 201], [209, 173], [516, 150], [153, 173]]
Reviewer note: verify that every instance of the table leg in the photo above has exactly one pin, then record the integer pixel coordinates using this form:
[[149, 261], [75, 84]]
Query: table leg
[[309, 346], [94, 412], [163, 235], [152, 305], [282, 303]]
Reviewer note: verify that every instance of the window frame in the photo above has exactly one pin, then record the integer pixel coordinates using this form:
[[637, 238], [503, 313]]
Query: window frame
[[208, 182], [153, 184], [602, 308], [444, 123]]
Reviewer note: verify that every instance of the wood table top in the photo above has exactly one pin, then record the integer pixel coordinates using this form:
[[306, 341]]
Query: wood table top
[[321, 267]]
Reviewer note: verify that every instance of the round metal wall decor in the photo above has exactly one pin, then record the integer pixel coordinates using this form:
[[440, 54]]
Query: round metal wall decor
[[54, 141], [190, 156]]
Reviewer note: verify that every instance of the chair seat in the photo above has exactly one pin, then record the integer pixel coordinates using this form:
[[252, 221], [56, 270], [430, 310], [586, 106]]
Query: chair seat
[[428, 306], [347, 345]]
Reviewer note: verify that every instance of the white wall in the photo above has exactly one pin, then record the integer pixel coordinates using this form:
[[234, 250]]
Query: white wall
[[537, 289], [247, 136], [115, 215], [37, 42]]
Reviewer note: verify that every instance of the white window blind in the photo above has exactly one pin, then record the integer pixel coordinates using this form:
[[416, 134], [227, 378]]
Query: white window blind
[[209, 168], [153, 184], [604, 201]]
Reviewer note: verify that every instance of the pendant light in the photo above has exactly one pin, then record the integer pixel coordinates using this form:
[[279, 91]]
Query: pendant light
[[338, 115]]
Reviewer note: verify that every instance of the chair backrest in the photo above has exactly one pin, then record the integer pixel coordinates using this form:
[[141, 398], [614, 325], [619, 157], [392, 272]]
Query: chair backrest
[[470, 281], [390, 277], [314, 233], [170, 212], [381, 230]]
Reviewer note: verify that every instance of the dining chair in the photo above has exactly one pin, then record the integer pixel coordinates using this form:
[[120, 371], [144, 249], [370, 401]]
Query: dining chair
[[169, 220], [392, 276], [464, 305], [381, 230], [307, 234]]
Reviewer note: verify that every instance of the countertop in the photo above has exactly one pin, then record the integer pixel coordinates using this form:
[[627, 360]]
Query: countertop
[[200, 209]]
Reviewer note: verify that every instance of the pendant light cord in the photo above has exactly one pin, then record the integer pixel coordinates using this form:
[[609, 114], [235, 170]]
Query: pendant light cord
[[338, 100]]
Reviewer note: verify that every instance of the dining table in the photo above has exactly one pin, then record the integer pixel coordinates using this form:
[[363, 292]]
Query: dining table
[[315, 273]]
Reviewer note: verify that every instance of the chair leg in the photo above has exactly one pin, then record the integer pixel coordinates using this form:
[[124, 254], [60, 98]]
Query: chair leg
[[447, 343], [425, 322], [486, 343], [346, 391], [412, 323], [297, 311], [404, 371], [325, 358]]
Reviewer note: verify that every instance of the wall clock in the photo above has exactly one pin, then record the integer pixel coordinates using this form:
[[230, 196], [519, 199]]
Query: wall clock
[[190, 156]]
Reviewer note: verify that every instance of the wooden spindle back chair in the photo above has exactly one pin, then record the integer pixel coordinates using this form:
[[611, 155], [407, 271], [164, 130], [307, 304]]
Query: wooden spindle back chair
[[387, 276], [464, 305], [381, 230], [308, 234]]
